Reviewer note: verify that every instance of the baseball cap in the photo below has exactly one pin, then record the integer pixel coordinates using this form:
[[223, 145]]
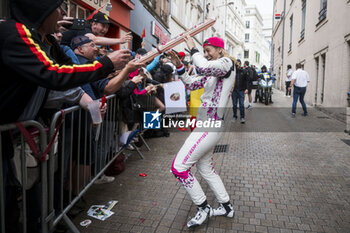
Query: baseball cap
[[214, 41], [100, 17], [79, 41]]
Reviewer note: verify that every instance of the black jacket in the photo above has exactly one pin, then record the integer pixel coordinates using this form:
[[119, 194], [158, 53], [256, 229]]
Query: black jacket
[[124, 94], [241, 81], [30, 63]]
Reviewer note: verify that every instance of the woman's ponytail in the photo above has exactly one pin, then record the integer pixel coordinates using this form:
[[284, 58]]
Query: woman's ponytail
[[226, 54]]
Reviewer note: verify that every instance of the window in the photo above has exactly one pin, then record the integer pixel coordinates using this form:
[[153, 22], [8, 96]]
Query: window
[[247, 37], [81, 13], [72, 10], [247, 11], [291, 33], [323, 12], [303, 15], [246, 54], [64, 5], [257, 57], [247, 24]]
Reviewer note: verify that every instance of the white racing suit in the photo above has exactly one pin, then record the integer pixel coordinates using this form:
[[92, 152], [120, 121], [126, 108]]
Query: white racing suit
[[201, 141]]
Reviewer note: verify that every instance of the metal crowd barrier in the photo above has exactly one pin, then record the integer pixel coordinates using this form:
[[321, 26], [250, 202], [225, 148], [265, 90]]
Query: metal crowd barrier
[[85, 153], [80, 155], [24, 174]]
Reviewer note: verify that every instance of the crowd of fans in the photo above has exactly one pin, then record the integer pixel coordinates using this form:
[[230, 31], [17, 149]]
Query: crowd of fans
[[54, 67]]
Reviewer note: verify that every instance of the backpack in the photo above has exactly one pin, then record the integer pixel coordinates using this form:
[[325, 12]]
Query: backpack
[[254, 76]]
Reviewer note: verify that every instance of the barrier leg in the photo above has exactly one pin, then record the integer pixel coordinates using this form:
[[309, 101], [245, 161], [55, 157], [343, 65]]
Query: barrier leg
[[70, 224], [2, 191], [137, 149], [44, 199], [144, 142], [24, 183]]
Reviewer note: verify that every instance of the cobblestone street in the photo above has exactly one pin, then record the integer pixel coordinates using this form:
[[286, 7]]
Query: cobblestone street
[[283, 175]]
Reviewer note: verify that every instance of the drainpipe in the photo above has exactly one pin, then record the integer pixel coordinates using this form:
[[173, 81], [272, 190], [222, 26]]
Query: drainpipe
[[282, 55], [272, 61]]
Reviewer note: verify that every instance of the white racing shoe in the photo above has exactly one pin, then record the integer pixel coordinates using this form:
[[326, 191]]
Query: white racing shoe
[[222, 211], [201, 216]]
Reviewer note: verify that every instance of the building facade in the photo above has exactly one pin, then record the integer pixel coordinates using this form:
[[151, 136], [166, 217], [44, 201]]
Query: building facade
[[234, 27], [317, 35], [267, 32], [255, 45], [153, 16], [229, 24], [183, 16]]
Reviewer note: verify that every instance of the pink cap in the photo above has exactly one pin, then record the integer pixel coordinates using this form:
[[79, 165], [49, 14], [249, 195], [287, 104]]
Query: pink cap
[[215, 41]]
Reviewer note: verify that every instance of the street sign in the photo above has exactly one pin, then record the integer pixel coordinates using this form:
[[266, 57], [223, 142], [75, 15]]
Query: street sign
[[277, 17]]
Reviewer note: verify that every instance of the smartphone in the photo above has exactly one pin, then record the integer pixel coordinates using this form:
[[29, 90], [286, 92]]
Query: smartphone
[[78, 24]]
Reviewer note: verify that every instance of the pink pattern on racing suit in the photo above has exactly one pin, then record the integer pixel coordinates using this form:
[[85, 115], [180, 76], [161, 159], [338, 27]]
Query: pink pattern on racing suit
[[197, 84], [212, 111], [186, 177]]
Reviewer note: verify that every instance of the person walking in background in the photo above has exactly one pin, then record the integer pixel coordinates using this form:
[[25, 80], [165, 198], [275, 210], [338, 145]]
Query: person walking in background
[[288, 80], [239, 90], [251, 76], [300, 79]]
